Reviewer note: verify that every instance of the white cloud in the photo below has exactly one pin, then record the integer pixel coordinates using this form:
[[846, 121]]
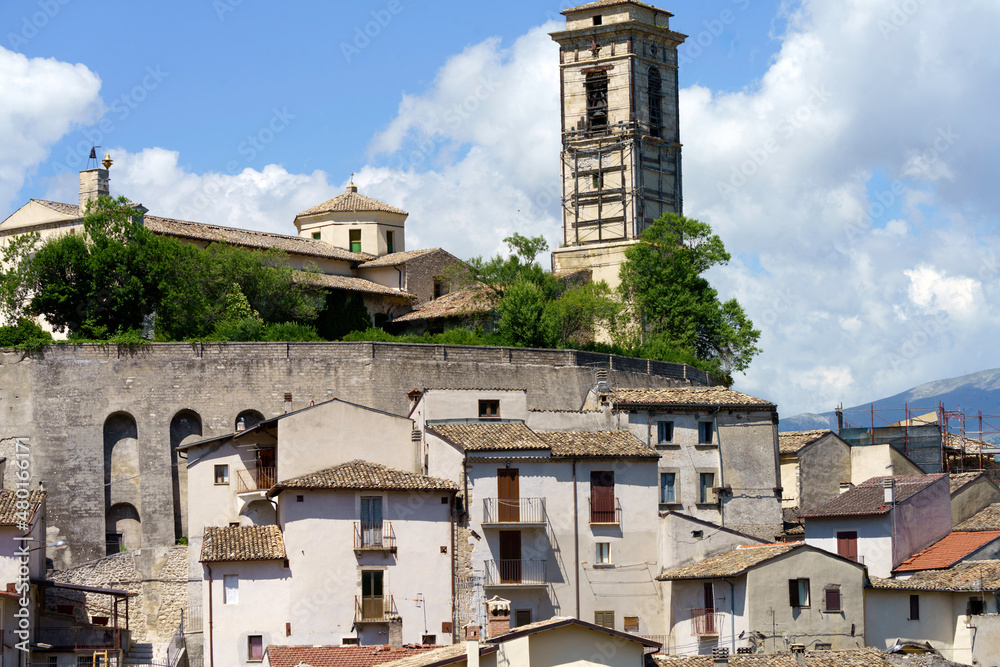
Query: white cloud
[[43, 99], [933, 291]]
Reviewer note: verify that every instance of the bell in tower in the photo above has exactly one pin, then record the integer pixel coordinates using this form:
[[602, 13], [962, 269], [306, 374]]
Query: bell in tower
[[621, 151]]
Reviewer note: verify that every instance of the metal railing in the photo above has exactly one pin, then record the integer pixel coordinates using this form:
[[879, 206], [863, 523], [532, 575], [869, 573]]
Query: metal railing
[[608, 511], [514, 510], [256, 479], [515, 573], [704, 623], [83, 637], [374, 536], [374, 609]]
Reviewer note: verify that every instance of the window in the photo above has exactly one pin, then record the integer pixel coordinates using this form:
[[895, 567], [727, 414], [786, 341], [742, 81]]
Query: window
[[300, 499], [317, 235], [706, 484], [113, 543], [605, 619], [222, 474], [598, 20], [664, 433], [631, 624], [438, 289], [355, 237], [798, 592], [389, 242], [831, 599], [231, 584], [655, 91], [974, 607], [522, 617], [489, 409], [668, 490], [598, 181], [371, 521], [704, 433], [348, 641], [602, 496], [597, 101], [698, 534], [428, 640], [603, 553], [255, 647], [847, 545], [914, 607], [820, 646]]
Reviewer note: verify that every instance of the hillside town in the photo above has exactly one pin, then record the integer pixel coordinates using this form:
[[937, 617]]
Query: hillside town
[[308, 504]]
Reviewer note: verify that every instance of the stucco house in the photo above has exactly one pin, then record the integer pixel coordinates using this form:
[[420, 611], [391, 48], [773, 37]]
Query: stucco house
[[815, 467], [766, 598], [883, 521], [971, 492]]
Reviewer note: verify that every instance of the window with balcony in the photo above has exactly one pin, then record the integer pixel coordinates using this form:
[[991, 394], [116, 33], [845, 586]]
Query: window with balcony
[[664, 432], [372, 595], [262, 475], [222, 474], [371, 532], [798, 593], [668, 487], [255, 648], [231, 585], [705, 433], [704, 621], [602, 497]]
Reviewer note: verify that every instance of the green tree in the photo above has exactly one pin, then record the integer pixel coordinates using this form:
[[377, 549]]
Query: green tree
[[16, 276], [677, 309], [499, 272]]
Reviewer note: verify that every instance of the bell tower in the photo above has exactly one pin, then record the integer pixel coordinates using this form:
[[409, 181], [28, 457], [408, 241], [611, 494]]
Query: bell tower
[[621, 151]]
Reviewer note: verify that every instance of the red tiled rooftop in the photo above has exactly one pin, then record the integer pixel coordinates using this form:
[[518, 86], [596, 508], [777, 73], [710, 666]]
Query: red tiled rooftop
[[948, 551], [340, 656], [868, 498]]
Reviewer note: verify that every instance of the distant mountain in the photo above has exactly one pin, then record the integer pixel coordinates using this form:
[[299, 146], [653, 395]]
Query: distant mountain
[[973, 393]]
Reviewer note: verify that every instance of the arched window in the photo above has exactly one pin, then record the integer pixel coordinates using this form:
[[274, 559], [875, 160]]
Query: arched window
[[185, 428], [248, 418], [655, 90], [597, 101], [122, 478], [123, 528]]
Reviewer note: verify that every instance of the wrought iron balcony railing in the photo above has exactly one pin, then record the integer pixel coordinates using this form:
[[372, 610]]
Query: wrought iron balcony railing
[[514, 511], [374, 536], [374, 609], [515, 573], [256, 479]]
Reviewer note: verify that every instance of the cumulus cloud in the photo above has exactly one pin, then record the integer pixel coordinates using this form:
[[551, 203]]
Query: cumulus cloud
[[43, 100]]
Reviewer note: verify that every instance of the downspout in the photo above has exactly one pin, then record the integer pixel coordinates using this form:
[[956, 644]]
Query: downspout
[[722, 474], [400, 272], [732, 614], [211, 640], [576, 542], [454, 573]]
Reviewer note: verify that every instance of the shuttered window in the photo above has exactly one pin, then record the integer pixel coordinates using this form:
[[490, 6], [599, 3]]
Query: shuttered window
[[605, 619], [231, 583], [832, 602], [798, 592]]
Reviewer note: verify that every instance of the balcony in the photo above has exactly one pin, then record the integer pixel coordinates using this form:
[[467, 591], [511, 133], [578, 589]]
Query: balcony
[[514, 512], [85, 637], [517, 573], [605, 511], [374, 609], [705, 623], [374, 537], [256, 479]]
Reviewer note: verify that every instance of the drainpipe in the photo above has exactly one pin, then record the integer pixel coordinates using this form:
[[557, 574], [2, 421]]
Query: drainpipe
[[454, 573], [400, 272], [211, 641], [576, 542], [732, 613], [722, 474]]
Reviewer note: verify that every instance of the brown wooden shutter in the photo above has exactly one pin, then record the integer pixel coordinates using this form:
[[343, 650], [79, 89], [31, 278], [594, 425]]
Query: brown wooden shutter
[[833, 599], [847, 545], [602, 496], [508, 495]]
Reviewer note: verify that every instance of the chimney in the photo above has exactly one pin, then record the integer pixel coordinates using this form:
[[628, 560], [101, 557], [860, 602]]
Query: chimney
[[288, 403], [93, 184], [472, 653], [889, 491], [720, 656]]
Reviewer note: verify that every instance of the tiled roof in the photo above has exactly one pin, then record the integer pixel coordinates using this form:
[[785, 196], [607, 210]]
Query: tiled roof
[[242, 543], [960, 479], [349, 283], [968, 575], [617, 444], [340, 656], [792, 441], [689, 396], [612, 3], [454, 304], [563, 621], [67, 209], [491, 436], [440, 656], [868, 498], [866, 657], [364, 475], [396, 258], [986, 519], [947, 551], [9, 511], [351, 202], [731, 563]]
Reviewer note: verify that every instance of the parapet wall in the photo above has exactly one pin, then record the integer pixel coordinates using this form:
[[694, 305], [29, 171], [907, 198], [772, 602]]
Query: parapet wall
[[86, 410]]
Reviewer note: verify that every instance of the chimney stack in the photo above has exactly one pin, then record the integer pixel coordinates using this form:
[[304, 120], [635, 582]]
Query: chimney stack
[[93, 184], [288, 403], [472, 653], [889, 491]]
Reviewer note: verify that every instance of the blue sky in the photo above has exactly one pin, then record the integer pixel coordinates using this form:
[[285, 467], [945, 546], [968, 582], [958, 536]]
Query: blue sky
[[844, 151]]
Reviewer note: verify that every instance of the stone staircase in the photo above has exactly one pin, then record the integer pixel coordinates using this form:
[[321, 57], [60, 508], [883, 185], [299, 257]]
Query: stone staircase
[[141, 654]]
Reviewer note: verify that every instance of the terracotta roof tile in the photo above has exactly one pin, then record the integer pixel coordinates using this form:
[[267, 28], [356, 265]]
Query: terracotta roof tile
[[612, 3], [242, 543], [791, 442], [440, 656], [866, 657], [960, 479], [340, 656], [67, 209], [986, 519], [364, 475], [868, 498], [689, 396], [947, 551], [351, 202], [968, 575], [731, 563], [349, 283], [454, 304], [599, 444], [397, 258], [487, 436], [9, 511]]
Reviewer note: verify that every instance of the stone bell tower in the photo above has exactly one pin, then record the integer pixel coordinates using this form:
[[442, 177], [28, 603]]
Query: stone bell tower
[[621, 151]]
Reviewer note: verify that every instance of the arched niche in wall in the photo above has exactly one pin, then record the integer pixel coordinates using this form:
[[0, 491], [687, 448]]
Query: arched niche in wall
[[258, 513], [185, 428], [122, 481], [123, 527], [249, 417]]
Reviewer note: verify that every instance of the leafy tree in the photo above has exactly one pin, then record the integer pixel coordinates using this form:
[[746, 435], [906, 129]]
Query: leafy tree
[[499, 272], [574, 318], [342, 314], [676, 307], [24, 334], [16, 276], [520, 314]]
